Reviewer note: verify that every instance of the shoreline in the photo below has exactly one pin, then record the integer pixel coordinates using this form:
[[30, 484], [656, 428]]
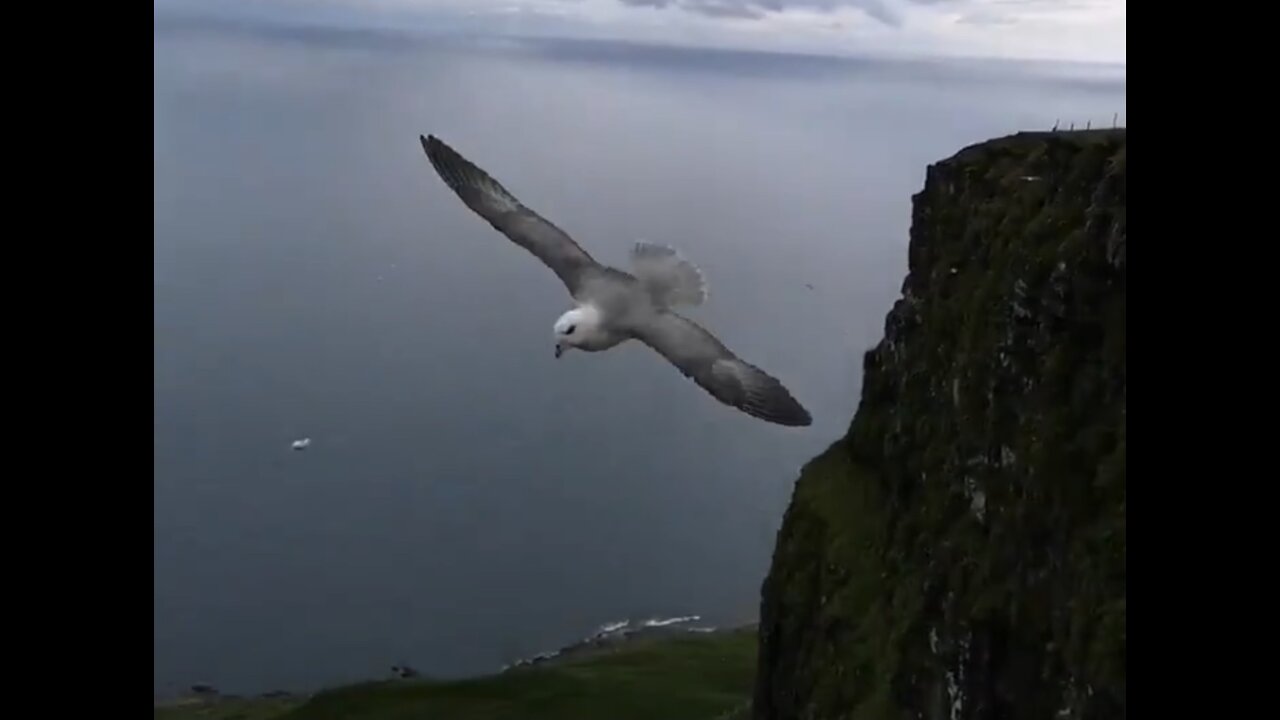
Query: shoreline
[[608, 637]]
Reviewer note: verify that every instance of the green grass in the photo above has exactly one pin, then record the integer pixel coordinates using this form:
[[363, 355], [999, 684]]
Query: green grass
[[227, 709], [695, 677]]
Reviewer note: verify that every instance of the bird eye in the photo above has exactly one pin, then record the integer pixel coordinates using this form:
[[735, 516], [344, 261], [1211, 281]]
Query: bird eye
[[569, 330]]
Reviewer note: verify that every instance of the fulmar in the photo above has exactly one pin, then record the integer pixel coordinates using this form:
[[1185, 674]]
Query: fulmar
[[612, 306]]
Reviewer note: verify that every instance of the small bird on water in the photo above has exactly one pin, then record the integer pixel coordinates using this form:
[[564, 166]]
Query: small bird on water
[[613, 306]]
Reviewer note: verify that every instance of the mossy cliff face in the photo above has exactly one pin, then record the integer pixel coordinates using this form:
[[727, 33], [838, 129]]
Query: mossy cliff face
[[960, 553]]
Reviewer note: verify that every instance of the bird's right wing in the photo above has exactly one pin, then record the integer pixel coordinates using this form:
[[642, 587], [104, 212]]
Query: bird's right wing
[[526, 228], [699, 355]]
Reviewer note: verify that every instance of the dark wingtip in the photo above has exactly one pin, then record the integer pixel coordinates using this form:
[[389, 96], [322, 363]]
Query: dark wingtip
[[791, 413], [432, 144], [798, 417], [786, 411], [770, 401], [443, 158]]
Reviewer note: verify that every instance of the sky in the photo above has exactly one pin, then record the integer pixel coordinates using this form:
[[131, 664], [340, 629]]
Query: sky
[[1056, 30]]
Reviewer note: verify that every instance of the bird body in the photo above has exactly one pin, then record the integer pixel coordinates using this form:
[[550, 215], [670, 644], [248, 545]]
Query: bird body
[[613, 306]]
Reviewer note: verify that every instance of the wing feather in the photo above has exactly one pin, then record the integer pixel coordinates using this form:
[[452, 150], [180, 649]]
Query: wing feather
[[526, 228], [736, 383]]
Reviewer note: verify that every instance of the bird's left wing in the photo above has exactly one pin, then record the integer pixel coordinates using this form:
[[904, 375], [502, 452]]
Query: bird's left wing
[[699, 355]]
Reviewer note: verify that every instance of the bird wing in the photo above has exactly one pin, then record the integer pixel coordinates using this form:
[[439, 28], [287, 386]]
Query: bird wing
[[736, 383], [526, 228]]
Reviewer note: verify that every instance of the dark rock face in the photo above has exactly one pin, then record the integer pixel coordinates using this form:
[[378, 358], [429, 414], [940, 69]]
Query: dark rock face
[[960, 553]]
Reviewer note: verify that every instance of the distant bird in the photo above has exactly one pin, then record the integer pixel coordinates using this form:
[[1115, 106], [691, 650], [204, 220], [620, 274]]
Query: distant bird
[[612, 306], [301, 444]]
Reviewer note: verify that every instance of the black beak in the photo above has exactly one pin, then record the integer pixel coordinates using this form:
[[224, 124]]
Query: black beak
[[559, 351]]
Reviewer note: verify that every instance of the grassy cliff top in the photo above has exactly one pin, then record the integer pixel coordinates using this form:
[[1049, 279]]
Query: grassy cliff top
[[687, 677]]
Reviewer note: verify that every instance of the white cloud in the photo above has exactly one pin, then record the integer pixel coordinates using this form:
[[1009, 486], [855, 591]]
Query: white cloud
[[1080, 30]]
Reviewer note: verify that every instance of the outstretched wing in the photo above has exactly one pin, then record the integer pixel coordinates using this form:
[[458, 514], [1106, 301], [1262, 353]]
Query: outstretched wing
[[526, 228], [699, 355]]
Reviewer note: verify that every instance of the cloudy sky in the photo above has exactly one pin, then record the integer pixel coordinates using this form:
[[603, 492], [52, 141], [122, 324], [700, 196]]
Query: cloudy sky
[[1078, 30]]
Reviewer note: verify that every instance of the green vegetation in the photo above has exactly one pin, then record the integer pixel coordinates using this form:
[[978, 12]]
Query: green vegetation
[[964, 544], [226, 709], [687, 677]]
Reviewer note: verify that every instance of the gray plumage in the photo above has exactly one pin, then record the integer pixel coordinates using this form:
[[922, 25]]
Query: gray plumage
[[615, 306]]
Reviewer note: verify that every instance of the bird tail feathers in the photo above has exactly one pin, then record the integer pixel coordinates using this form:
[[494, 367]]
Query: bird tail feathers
[[669, 277]]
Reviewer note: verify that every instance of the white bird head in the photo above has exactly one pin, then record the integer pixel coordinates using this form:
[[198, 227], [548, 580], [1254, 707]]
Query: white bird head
[[577, 328]]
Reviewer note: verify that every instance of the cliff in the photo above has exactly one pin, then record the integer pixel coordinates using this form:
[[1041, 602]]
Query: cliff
[[960, 553]]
